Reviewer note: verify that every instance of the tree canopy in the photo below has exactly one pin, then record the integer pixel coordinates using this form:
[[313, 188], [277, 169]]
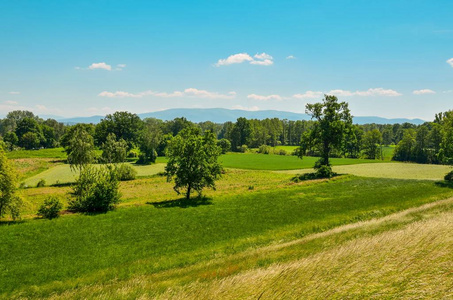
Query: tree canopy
[[332, 121], [193, 161]]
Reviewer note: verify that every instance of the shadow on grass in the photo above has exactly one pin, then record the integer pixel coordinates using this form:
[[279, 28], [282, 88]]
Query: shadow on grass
[[183, 203], [445, 184], [10, 222]]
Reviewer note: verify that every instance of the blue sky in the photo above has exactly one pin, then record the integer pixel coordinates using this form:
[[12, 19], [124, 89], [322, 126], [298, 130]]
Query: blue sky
[[80, 58]]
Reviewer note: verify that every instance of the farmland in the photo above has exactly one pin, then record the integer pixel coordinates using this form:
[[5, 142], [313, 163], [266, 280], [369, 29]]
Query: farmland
[[257, 224]]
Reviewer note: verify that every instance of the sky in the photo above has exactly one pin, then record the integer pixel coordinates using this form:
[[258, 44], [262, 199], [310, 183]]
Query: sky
[[82, 58]]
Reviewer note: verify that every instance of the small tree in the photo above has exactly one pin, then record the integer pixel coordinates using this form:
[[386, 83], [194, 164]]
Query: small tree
[[193, 163], [332, 121], [371, 144], [10, 203], [114, 151], [96, 190], [81, 149], [224, 145]]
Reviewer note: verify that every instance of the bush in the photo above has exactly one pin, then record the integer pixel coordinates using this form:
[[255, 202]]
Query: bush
[[225, 145], [281, 152], [243, 148], [147, 158], [51, 208], [324, 172], [125, 172], [264, 149], [41, 183], [96, 190], [133, 153], [449, 176]]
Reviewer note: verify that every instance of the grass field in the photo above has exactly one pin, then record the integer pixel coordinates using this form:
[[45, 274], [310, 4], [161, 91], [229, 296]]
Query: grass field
[[42, 257], [388, 170], [280, 162], [41, 153], [63, 174]]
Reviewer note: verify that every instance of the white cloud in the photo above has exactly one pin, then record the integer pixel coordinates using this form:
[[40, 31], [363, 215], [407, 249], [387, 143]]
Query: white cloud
[[262, 59], [11, 102], [14, 93], [234, 59], [423, 92], [121, 65], [308, 95], [264, 98], [119, 94], [450, 61], [290, 57], [101, 65], [370, 92], [448, 92], [266, 62], [205, 94], [252, 108], [263, 56], [190, 92]]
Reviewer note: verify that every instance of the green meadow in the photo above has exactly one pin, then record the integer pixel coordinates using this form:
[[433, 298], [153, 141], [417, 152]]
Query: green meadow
[[256, 224]]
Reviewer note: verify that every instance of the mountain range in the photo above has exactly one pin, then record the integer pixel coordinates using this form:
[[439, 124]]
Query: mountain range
[[222, 115]]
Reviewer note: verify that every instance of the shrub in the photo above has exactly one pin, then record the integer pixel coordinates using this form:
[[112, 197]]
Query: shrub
[[282, 152], [96, 190], [324, 172], [51, 208], [264, 149], [133, 153], [147, 158], [449, 176], [41, 183], [243, 148], [225, 145], [125, 172]]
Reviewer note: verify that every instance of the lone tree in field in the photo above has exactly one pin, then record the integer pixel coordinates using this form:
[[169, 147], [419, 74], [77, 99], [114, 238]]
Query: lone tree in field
[[332, 119], [81, 149], [193, 161], [9, 202]]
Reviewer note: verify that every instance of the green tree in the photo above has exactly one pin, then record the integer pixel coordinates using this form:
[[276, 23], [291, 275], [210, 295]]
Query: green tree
[[193, 161], [224, 145], [96, 190], [113, 151], [371, 144], [81, 149], [10, 203], [332, 120], [124, 125], [404, 151], [29, 140]]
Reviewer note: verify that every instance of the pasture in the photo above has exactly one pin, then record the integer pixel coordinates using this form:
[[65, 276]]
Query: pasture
[[45, 257], [256, 227]]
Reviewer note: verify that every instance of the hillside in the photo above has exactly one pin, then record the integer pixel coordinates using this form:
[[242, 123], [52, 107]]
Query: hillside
[[222, 115]]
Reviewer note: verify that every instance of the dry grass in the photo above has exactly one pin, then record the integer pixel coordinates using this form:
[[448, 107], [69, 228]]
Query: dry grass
[[412, 261]]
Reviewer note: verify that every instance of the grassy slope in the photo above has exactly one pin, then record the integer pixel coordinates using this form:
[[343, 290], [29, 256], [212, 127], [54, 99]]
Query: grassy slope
[[389, 170], [412, 260], [40, 256], [280, 162]]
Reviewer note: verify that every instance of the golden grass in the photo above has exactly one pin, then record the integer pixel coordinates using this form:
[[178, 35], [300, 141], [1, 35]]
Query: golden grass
[[388, 170], [414, 262], [397, 256]]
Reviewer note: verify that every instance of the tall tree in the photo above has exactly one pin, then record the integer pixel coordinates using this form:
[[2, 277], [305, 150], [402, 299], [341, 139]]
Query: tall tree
[[10, 203], [332, 118], [124, 125], [193, 161], [80, 150]]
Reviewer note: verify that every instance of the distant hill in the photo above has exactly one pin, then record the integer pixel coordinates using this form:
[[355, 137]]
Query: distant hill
[[222, 115]]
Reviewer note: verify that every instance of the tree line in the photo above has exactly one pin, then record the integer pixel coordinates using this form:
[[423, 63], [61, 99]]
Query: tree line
[[146, 139]]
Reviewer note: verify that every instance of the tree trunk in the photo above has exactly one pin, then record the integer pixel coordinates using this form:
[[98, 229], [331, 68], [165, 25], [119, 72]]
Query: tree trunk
[[188, 192]]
